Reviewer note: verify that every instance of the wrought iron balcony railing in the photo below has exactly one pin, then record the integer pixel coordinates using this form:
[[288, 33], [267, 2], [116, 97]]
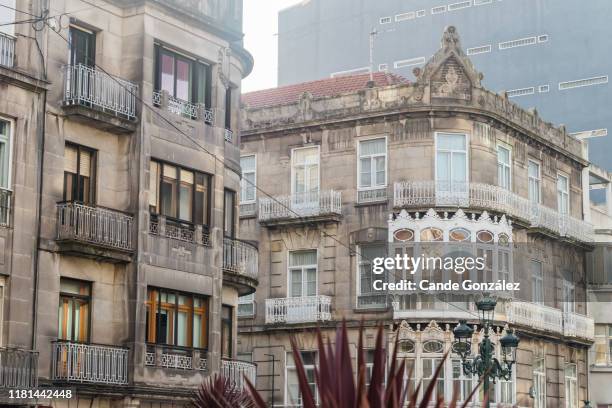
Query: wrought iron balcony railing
[[240, 257], [88, 86], [178, 358], [180, 107], [7, 50], [478, 195], [305, 309], [94, 225], [236, 371], [180, 230], [89, 363], [18, 368], [307, 204]]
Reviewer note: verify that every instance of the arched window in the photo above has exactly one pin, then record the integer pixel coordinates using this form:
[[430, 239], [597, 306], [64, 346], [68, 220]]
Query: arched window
[[404, 235], [459, 235], [485, 237], [432, 234]]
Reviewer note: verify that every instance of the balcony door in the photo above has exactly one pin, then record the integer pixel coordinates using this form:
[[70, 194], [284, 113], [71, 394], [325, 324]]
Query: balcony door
[[82, 47], [452, 186], [302, 283], [305, 180], [74, 310]]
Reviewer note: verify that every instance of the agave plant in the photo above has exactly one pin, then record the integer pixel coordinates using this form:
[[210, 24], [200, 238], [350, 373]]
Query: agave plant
[[220, 392], [337, 386]]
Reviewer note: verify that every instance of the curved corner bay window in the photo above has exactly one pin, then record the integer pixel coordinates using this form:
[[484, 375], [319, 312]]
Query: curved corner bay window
[[451, 163], [179, 193], [74, 310], [177, 318], [79, 165]]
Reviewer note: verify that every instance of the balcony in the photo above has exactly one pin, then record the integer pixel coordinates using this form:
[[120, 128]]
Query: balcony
[[372, 195], [180, 107], [236, 371], [7, 50], [440, 306], [240, 265], [177, 358], [89, 363], [91, 94], [422, 194], [307, 309], [94, 232], [310, 206], [579, 326], [163, 226], [18, 368]]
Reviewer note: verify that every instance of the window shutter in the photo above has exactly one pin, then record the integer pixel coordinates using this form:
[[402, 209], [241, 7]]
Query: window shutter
[[70, 159], [85, 164]]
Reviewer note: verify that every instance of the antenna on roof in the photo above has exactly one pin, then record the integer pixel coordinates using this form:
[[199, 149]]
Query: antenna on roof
[[373, 34]]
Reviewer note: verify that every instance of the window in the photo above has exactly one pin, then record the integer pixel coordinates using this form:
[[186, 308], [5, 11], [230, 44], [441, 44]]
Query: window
[[603, 344], [246, 305], [571, 386], [179, 193], [537, 281], [405, 16], [451, 162], [293, 396], [430, 365], [383, 67], [534, 181], [305, 176], [569, 296], [506, 394], [5, 153], [372, 163], [461, 382], [229, 213], [227, 317], [228, 108], [249, 179], [177, 319], [504, 168], [74, 310], [543, 88], [539, 379], [562, 194], [182, 77], [82, 46], [302, 273], [420, 13], [79, 169], [366, 295]]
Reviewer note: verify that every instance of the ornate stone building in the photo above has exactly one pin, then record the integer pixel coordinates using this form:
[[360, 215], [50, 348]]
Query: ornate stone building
[[121, 263], [356, 168]]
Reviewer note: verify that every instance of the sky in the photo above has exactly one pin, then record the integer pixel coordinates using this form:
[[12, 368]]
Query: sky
[[260, 26]]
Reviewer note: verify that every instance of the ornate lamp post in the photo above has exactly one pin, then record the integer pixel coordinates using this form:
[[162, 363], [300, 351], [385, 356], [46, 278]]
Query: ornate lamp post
[[484, 364]]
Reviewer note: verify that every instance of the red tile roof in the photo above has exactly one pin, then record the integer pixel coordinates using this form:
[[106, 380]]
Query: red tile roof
[[322, 87]]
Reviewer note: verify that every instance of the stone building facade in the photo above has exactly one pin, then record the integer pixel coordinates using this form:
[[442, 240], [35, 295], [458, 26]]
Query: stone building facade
[[355, 168], [122, 265]]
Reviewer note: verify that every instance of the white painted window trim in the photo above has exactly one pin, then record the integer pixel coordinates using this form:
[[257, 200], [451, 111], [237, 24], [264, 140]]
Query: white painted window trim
[[293, 165], [286, 399], [533, 278], [539, 179], [383, 67], [303, 267], [242, 200], [567, 193], [507, 147], [11, 142], [372, 156], [2, 294], [574, 380], [467, 153], [544, 88]]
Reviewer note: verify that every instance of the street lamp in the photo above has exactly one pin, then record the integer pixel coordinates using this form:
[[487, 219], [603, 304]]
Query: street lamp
[[484, 365]]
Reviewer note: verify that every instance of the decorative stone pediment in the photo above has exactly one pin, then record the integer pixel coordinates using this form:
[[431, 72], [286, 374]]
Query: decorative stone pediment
[[405, 332], [449, 73]]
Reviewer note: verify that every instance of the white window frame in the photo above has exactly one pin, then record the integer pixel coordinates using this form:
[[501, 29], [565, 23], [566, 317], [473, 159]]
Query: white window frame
[[2, 290], [243, 183], [10, 141], [561, 194], [572, 381], [372, 156], [507, 166], [542, 375], [360, 262], [569, 305], [306, 367], [293, 166], [303, 269], [246, 300], [534, 278], [467, 154], [538, 180]]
